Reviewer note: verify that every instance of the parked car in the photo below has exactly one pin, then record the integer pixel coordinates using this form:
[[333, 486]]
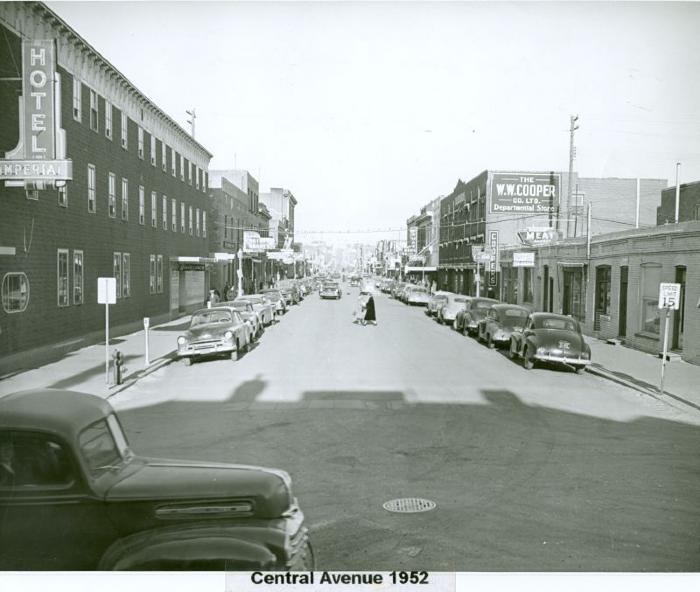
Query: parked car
[[435, 301], [397, 289], [354, 281], [468, 319], [290, 291], [330, 290], [78, 498], [403, 295], [499, 323], [212, 331], [549, 337], [275, 296], [248, 314], [418, 295], [447, 313], [264, 308]]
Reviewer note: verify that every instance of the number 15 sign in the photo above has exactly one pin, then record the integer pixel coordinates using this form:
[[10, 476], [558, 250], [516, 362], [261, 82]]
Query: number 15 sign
[[670, 296]]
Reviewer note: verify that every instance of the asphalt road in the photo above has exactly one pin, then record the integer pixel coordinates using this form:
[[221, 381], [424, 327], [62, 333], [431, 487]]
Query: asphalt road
[[541, 470]]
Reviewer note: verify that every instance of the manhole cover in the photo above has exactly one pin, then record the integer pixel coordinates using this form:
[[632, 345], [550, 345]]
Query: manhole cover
[[409, 505]]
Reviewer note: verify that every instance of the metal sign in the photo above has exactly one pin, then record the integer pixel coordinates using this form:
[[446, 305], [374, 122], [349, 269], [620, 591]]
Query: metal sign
[[251, 241], [492, 265], [36, 170], [669, 296], [106, 290], [524, 192], [38, 69], [538, 236], [523, 259]]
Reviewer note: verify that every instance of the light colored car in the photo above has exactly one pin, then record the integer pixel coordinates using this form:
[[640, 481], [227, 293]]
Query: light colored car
[[276, 297], [249, 315], [216, 330], [437, 299], [447, 313], [499, 323], [330, 290], [418, 295], [468, 319], [264, 308]]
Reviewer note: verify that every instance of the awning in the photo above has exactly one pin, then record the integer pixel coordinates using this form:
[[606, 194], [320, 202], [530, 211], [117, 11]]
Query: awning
[[571, 263], [409, 269]]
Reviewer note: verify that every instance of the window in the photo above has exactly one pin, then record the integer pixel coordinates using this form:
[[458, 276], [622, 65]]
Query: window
[[94, 125], [165, 212], [140, 142], [206, 182], [92, 196], [41, 463], [159, 274], [125, 199], [77, 103], [198, 227], [191, 222], [62, 272], [63, 196], [108, 119], [99, 448], [142, 206], [174, 215], [153, 150], [651, 278], [204, 224], [15, 292], [173, 163], [117, 271], [697, 212], [154, 210], [182, 167], [125, 129], [112, 195], [190, 174], [32, 194], [182, 217], [163, 156], [77, 277], [197, 173], [126, 275], [152, 274], [602, 290]]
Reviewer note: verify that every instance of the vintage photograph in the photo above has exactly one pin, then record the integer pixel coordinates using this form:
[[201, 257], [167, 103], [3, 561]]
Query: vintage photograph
[[389, 287]]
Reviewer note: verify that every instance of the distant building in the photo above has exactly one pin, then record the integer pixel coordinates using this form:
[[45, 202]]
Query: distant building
[[280, 203], [689, 204]]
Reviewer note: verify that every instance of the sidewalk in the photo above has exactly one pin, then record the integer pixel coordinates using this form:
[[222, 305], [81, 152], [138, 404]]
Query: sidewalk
[[642, 372], [84, 369]]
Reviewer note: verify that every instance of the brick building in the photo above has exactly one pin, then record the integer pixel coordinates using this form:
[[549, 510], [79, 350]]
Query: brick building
[[134, 207], [423, 262], [688, 204], [614, 290]]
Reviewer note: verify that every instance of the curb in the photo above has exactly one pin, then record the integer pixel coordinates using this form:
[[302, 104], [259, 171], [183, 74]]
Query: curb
[[161, 362]]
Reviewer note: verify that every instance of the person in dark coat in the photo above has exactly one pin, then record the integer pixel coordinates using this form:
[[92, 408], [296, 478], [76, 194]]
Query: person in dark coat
[[370, 313]]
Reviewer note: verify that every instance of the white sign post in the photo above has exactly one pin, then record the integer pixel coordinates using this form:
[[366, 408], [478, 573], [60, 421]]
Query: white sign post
[[146, 325], [106, 294], [669, 299]]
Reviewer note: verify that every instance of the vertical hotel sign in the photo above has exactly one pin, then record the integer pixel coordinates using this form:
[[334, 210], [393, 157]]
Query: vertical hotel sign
[[35, 159]]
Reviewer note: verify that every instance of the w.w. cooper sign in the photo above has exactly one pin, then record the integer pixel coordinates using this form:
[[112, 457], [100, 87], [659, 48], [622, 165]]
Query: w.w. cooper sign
[[534, 193]]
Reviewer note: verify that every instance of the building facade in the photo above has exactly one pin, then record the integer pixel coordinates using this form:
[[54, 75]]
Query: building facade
[[688, 204], [423, 261], [134, 207]]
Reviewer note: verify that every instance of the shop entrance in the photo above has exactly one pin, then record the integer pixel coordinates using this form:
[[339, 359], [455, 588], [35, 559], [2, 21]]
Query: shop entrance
[[622, 310], [573, 296], [679, 315]]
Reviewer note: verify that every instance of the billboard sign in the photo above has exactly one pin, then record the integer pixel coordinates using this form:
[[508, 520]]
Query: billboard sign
[[529, 193], [538, 236], [524, 259]]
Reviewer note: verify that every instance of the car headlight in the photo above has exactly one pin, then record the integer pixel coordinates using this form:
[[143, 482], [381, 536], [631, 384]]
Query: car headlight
[[541, 351], [182, 340], [228, 335], [585, 355]]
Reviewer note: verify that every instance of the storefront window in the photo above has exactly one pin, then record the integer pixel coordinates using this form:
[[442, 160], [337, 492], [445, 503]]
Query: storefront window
[[651, 278], [15, 292], [602, 287], [527, 284]]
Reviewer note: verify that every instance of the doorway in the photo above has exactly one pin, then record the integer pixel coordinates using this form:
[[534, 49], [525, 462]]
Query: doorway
[[679, 315], [622, 326]]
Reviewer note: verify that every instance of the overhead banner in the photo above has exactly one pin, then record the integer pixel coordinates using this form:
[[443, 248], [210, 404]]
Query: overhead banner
[[531, 193]]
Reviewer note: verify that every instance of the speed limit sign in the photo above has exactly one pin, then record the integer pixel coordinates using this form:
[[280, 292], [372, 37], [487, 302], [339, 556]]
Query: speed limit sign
[[670, 296]]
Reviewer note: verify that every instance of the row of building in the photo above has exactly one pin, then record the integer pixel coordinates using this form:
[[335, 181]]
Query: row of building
[[598, 255], [97, 181]]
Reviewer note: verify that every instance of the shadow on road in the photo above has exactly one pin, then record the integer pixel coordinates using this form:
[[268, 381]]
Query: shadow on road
[[81, 377], [183, 326]]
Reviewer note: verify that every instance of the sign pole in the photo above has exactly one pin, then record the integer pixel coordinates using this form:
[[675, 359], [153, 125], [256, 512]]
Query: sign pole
[[107, 343], [146, 325], [478, 280], [663, 359]]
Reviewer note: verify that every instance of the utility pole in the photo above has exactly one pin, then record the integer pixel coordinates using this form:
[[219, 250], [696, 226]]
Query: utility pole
[[572, 154], [678, 190], [193, 115]]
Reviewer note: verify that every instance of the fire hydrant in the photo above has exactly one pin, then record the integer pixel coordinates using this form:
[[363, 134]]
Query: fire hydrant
[[117, 367]]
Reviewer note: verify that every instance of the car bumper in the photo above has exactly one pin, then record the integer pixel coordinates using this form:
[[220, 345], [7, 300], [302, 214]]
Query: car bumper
[[204, 350], [562, 360]]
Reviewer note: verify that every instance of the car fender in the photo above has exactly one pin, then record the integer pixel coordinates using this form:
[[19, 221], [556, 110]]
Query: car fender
[[167, 548], [530, 340]]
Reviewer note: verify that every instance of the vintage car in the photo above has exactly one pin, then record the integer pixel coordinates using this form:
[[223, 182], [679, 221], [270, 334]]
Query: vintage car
[[216, 330], [436, 300], [290, 291], [248, 314], [264, 308], [354, 281], [450, 308], [403, 294], [397, 288], [275, 296], [74, 496], [330, 290], [417, 295], [499, 323], [549, 337], [468, 319]]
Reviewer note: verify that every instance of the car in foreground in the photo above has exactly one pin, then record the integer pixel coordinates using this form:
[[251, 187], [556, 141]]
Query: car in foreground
[[330, 290], [549, 337], [447, 313], [468, 319], [417, 296], [276, 297], [497, 326], [214, 331], [78, 498], [264, 308]]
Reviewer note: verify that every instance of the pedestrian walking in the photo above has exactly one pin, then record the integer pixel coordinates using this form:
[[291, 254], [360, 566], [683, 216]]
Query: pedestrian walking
[[370, 313]]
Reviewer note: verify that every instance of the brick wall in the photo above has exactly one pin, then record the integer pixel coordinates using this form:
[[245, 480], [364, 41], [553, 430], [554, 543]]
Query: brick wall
[[688, 207]]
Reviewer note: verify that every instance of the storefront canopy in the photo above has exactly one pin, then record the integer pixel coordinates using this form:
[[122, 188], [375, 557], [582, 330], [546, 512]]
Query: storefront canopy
[[409, 269]]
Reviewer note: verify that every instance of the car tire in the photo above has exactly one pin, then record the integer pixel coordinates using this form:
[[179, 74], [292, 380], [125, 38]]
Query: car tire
[[581, 370], [528, 362], [511, 352], [489, 342], [439, 320], [187, 361], [235, 354]]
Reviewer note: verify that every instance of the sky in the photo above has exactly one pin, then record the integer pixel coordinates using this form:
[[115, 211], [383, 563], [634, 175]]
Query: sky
[[368, 111]]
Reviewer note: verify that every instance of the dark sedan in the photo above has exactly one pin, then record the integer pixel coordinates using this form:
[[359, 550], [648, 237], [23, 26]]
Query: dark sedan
[[468, 319], [499, 323]]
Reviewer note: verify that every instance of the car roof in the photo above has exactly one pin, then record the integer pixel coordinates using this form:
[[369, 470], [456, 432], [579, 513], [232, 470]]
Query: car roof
[[58, 411], [504, 306]]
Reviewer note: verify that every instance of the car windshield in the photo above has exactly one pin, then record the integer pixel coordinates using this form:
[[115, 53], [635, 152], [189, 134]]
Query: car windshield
[[211, 316], [330, 286], [419, 289], [484, 304], [458, 299], [556, 323], [273, 294], [512, 317], [103, 445], [440, 297]]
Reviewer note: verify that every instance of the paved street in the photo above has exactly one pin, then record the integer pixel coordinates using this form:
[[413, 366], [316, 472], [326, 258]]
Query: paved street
[[540, 470]]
